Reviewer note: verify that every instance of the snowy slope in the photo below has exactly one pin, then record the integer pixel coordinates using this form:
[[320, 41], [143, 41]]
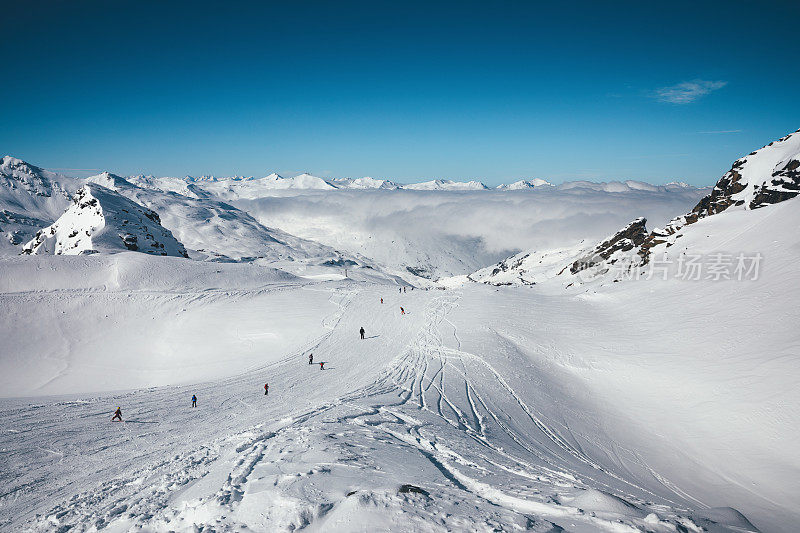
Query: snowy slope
[[214, 229], [363, 183], [663, 404], [527, 268], [524, 184], [249, 188], [765, 177], [447, 185], [30, 198], [479, 409], [101, 220]]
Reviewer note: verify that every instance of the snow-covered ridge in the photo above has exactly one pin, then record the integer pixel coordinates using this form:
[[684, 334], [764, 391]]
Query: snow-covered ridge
[[215, 230], [447, 185], [364, 183], [764, 177], [30, 198], [101, 220], [525, 184], [251, 188]]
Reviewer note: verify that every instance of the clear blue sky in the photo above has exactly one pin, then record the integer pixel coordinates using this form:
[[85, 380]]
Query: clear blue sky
[[488, 90]]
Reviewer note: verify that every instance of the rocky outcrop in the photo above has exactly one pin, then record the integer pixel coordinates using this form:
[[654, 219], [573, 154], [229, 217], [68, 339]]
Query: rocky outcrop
[[767, 176], [628, 239], [785, 184], [101, 220], [30, 198]]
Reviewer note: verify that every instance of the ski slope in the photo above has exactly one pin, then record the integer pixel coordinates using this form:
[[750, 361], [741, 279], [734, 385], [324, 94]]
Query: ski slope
[[504, 405]]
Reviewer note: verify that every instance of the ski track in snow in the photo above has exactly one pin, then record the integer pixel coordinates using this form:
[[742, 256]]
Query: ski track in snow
[[327, 450]]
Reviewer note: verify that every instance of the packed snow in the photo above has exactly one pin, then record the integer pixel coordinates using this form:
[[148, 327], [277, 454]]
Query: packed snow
[[524, 365]]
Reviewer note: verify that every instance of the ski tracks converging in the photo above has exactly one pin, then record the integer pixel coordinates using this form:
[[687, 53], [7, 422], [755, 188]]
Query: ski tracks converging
[[339, 449]]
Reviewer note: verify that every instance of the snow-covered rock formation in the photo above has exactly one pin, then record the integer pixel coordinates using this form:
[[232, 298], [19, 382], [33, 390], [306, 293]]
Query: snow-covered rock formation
[[764, 177], [101, 220], [623, 244], [30, 198], [216, 230], [767, 176]]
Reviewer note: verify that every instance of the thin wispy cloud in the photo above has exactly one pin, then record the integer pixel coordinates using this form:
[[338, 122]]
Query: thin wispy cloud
[[688, 91]]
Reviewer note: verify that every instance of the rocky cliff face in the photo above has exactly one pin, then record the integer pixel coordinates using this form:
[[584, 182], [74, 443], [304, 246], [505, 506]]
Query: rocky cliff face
[[767, 176], [100, 220], [764, 177], [608, 252]]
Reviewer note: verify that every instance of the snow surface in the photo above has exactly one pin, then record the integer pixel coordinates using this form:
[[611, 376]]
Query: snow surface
[[447, 185], [30, 199], [213, 229], [525, 184], [511, 407], [758, 168], [575, 404]]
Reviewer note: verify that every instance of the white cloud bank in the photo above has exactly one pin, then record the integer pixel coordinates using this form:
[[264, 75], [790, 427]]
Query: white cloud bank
[[448, 233]]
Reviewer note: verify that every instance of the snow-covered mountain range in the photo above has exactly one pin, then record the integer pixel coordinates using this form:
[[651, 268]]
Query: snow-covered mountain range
[[410, 231], [602, 377]]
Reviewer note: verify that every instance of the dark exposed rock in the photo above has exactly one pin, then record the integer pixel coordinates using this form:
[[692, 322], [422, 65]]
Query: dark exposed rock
[[420, 271], [413, 489], [784, 185], [631, 236], [130, 242]]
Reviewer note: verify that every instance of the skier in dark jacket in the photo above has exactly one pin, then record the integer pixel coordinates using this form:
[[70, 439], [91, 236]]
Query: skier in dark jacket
[[266, 389], [117, 415], [362, 332], [194, 400], [311, 359]]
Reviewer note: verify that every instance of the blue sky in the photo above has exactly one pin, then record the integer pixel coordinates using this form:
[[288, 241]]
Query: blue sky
[[495, 91]]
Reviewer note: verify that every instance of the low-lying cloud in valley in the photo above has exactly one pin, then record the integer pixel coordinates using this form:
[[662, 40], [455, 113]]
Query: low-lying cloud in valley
[[451, 232]]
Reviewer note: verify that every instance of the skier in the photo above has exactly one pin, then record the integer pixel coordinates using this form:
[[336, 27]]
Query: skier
[[311, 359], [402, 311], [322, 365], [362, 332], [117, 415], [194, 400], [401, 290], [266, 389], [381, 300]]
